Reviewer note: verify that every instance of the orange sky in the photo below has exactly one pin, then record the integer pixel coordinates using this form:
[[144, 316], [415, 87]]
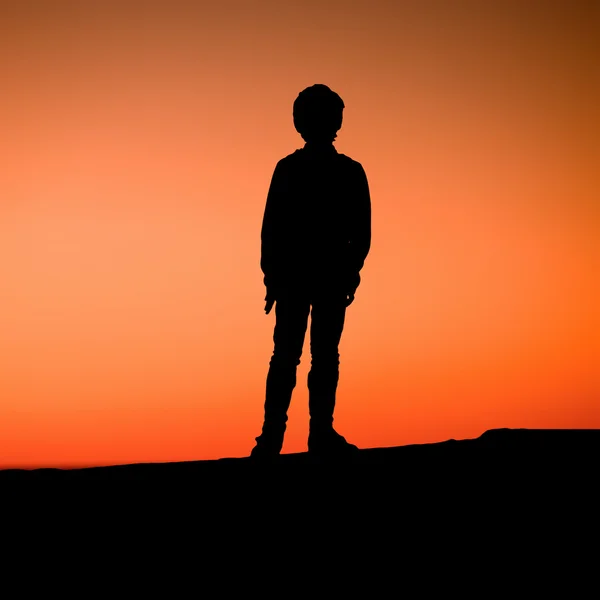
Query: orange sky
[[138, 142]]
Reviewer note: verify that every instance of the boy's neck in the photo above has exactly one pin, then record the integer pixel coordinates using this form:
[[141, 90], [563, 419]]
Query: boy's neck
[[320, 147]]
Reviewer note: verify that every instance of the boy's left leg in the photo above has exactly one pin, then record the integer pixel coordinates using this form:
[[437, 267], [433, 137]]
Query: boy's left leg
[[327, 323]]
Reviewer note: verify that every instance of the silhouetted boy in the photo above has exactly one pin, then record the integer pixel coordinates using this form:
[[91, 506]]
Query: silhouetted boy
[[315, 237]]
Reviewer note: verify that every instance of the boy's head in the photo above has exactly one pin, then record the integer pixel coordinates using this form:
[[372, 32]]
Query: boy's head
[[318, 113]]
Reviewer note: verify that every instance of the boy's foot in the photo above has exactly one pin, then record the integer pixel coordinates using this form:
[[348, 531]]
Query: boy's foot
[[263, 452], [268, 446], [329, 443]]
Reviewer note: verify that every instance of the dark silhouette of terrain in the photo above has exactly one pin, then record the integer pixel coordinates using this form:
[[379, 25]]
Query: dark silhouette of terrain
[[518, 450], [485, 507]]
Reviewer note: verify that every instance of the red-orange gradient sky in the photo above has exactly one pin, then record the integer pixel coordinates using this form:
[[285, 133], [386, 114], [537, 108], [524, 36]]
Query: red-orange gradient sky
[[138, 142]]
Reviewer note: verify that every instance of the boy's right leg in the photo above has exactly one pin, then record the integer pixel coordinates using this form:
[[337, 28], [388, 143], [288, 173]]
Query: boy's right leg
[[291, 318]]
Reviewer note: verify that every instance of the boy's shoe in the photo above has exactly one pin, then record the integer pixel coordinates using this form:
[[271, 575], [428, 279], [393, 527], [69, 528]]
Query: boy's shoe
[[329, 443], [268, 446]]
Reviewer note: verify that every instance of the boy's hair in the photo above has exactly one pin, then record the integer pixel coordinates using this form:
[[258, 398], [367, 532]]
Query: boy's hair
[[318, 113]]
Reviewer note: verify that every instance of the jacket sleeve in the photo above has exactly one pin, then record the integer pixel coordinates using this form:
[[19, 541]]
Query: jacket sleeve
[[271, 227], [360, 228]]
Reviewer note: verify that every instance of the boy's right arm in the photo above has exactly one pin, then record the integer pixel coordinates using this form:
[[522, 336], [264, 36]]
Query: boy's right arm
[[269, 233]]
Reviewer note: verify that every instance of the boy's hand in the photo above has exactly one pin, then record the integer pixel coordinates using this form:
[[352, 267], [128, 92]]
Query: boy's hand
[[270, 301], [270, 298]]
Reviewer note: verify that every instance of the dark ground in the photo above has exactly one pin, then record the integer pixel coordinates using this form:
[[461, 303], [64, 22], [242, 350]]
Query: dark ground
[[500, 453], [508, 504]]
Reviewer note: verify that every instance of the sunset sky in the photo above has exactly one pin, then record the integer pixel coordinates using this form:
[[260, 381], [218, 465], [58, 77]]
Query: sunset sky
[[137, 142]]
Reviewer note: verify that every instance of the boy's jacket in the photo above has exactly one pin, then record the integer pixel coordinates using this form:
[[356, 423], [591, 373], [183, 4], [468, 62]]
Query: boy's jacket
[[316, 229]]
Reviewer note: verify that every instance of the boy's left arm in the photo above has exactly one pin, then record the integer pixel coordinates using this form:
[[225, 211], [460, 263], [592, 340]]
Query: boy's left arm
[[360, 230]]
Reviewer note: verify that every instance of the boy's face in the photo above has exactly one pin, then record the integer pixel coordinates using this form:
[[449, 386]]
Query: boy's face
[[318, 126]]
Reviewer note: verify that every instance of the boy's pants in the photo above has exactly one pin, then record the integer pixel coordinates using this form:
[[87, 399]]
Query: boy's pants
[[291, 319]]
